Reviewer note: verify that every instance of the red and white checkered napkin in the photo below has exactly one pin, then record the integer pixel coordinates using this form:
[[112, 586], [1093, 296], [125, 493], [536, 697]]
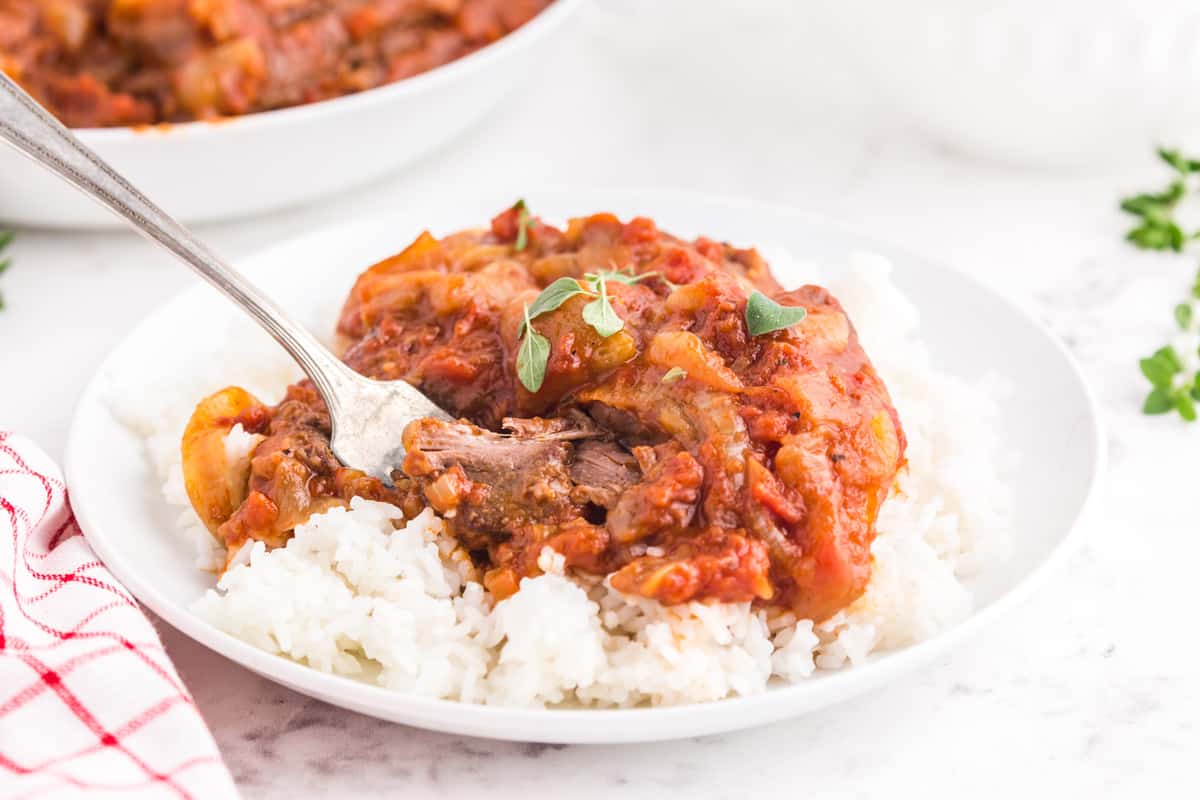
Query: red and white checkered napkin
[[90, 705]]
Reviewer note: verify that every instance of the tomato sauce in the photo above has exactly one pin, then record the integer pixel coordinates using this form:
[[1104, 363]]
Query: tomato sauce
[[681, 455], [104, 63]]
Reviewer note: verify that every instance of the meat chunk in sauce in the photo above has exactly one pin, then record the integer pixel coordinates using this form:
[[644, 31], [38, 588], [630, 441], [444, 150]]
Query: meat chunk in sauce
[[754, 474]]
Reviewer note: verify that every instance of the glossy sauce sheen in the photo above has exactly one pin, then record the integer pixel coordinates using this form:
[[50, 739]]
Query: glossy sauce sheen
[[101, 63], [757, 476]]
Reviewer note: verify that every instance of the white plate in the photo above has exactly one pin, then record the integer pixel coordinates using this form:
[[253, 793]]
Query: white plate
[[1051, 422], [203, 171]]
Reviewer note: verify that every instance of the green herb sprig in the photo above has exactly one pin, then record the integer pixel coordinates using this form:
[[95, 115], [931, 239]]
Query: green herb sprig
[[600, 314], [1157, 228], [6, 238], [524, 220], [534, 351], [1172, 386], [764, 315], [554, 296], [532, 356], [625, 276], [1170, 391]]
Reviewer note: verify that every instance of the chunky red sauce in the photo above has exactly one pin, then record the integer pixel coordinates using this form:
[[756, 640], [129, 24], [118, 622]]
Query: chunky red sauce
[[682, 456], [100, 63]]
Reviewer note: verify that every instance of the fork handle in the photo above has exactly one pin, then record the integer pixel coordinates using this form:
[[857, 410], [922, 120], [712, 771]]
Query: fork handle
[[30, 129]]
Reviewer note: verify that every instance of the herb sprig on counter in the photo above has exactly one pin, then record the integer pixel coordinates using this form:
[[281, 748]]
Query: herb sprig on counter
[[6, 238], [1157, 228], [1174, 380]]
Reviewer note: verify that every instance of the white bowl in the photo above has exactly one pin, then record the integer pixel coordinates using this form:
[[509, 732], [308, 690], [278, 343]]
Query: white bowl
[[1035, 82], [1051, 423], [205, 171]]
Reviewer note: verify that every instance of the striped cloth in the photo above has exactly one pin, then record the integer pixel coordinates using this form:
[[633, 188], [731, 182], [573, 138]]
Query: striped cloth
[[90, 705]]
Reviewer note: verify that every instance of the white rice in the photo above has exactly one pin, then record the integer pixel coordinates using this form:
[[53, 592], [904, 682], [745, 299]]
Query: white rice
[[352, 595]]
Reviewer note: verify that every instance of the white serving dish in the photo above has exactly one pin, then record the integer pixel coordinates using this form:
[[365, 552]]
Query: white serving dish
[[1051, 423], [1047, 83], [207, 171]]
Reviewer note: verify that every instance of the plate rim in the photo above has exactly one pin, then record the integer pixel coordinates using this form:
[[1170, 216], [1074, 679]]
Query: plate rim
[[587, 726]]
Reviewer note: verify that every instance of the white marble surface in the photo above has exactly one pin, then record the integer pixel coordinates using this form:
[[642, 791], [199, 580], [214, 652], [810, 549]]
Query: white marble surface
[[1090, 689]]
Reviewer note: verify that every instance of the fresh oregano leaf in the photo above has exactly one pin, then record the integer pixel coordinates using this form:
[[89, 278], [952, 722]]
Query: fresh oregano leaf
[[1161, 367], [764, 315], [532, 357], [1182, 165], [600, 314], [1185, 405], [1158, 402], [523, 223], [554, 296], [1183, 315]]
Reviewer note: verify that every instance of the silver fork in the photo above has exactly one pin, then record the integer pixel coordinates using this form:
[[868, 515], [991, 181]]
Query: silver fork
[[368, 416]]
